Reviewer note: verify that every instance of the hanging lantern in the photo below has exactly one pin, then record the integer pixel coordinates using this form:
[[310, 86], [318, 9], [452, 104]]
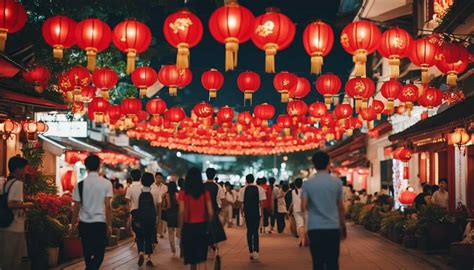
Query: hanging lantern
[[453, 60], [318, 39], [272, 31], [408, 95], [212, 80], [99, 107], [183, 30], [390, 90], [379, 108], [423, 53], [156, 106], [93, 36], [225, 114], [342, 111], [114, 113], [360, 38], [104, 79], [394, 45], [368, 114], [130, 107], [203, 110], [296, 108], [248, 82], [283, 82], [12, 19], [407, 197], [59, 32], [300, 89], [328, 85], [9, 128], [79, 77], [285, 122], [173, 78], [88, 93], [432, 97], [244, 118], [360, 89], [231, 24], [459, 137], [66, 87], [38, 75], [142, 78], [131, 37], [264, 112], [317, 110]]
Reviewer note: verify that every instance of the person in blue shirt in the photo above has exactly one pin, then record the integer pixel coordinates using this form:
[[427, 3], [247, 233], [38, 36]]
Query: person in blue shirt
[[322, 200]]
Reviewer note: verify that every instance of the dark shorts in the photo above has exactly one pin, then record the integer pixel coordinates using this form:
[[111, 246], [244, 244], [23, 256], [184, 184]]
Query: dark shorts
[[195, 242]]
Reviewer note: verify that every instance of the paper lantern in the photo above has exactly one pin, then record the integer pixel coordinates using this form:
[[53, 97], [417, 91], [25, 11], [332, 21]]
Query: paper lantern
[[300, 89], [212, 80], [390, 90], [432, 97], [394, 45], [317, 110], [423, 54], [265, 112], [368, 114], [173, 78], [203, 110], [379, 108], [183, 30], [131, 37], [248, 82], [244, 118], [407, 197], [459, 137], [318, 39], [408, 95], [156, 106], [79, 77], [114, 113], [59, 32], [38, 75], [272, 31], [283, 82], [225, 114], [454, 59], [231, 24], [131, 107], [360, 38], [142, 78], [88, 93], [328, 85], [93, 36], [175, 115], [12, 19], [98, 106], [342, 111], [104, 79], [361, 89]]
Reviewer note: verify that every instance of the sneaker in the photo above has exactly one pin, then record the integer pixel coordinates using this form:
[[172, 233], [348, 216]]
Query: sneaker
[[141, 260], [255, 256], [149, 263]]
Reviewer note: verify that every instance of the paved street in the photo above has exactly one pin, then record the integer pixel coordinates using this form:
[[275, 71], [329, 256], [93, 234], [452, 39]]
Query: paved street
[[362, 250]]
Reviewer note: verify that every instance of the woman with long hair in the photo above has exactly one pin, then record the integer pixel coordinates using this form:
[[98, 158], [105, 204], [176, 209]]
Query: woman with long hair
[[171, 198], [195, 213]]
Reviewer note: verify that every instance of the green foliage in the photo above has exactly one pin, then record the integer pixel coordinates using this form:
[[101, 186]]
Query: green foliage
[[390, 220], [120, 211], [34, 154], [40, 183], [354, 211], [428, 215], [370, 217], [411, 226]]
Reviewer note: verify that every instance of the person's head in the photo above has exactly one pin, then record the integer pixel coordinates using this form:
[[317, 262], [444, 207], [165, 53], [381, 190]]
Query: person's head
[[221, 183], [443, 184], [147, 179], [181, 182], [344, 180], [92, 163], [321, 160], [135, 175], [376, 194], [434, 188], [426, 188], [285, 187], [172, 187], [117, 184], [228, 186], [211, 173], [158, 178], [194, 185], [292, 186], [272, 180], [249, 179], [16, 166], [298, 183]]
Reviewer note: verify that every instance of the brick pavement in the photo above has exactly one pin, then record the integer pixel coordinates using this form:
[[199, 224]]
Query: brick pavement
[[362, 250]]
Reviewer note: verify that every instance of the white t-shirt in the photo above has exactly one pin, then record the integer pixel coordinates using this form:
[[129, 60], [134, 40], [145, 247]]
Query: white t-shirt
[[15, 193], [261, 193], [296, 200], [229, 196], [134, 191], [440, 198], [95, 190], [161, 189]]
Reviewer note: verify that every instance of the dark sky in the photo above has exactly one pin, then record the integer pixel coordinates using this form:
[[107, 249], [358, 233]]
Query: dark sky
[[210, 54]]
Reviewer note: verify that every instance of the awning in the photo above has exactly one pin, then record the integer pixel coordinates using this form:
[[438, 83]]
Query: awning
[[59, 145], [351, 152], [17, 98], [138, 153]]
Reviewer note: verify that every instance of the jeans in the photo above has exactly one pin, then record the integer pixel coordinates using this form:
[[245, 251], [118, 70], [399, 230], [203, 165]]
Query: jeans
[[252, 222], [266, 216], [280, 220], [144, 238], [94, 240], [324, 246]]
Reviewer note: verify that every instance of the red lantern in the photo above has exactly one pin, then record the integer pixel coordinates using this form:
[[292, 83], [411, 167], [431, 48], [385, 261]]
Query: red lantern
[[131, 107], [283, 82], [225, 114], [423, 53], [368, 114], [297, 108], [407, 197], [68, 181], [175, 115], [231, 24], [58, 32], [38, 75], [171, 76], [79, 77], [361, 89], [454, 60], [379, 108], [156, 106], [264, 112], [403, 154], [343, 111], [317, 110], [272, 31], [318, 39], [244, 118], [248, 82], [144, 77], [390, 90], [12, 19], [93, 35], [88, 93], [301, 88], [408, 95], [183, 30], [328, 85], [132, 37], [203, 110], [114, 113], [360, 38], [432, 97], [104, 79], [98, 106], [285, 122], [212, 80], [394, 45]]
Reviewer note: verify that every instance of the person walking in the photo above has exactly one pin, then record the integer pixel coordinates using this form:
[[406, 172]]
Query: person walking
[[195, 213], [282, 210], [441, 197], [160, 188], [217, 197], [91, 199], [171, 198], [12, 228], [252, 197], [298, 213], [322, 199], [228, 205], [274, 211], [267, 205]]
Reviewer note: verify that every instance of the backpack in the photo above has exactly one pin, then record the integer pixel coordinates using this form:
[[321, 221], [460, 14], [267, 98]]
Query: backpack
[[6, 213], [145, 215], [251, 201]]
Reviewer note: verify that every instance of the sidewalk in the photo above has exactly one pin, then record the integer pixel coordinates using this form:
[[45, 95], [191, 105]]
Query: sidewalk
[[362, 250]]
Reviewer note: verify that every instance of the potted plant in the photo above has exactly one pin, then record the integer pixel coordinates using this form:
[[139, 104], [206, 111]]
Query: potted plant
[[388, 220], [398, 228], [72, 245], [370, 217], [434, 228], [409, 231], [354, 211]]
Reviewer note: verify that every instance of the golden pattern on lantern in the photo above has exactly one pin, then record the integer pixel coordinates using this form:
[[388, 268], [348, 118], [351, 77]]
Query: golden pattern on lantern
[[180, 24], [265, 29]]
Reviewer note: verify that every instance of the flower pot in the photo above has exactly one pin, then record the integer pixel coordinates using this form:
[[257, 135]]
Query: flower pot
[[53, 256], [409, 241], [72, 247]]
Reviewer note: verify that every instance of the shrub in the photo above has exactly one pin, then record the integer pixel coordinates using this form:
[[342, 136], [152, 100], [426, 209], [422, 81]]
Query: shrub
[[370, 217], [354, 211], [428, 215]]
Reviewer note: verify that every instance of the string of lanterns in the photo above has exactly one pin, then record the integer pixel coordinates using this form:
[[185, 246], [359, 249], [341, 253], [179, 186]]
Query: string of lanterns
[[10, 128]]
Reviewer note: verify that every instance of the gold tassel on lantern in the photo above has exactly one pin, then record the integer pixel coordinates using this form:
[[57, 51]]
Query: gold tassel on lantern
[[328, 101], [248, 96], [231, 49], [379, 116], [360, 58], [58, 52], [131, 54], [182, 59], [70, 96], [349, 132], [270, 52], [39, 88], [370, 125], [91, 57], [451, 79], [98, 117], [173, 91], [142, 91], [316, 63], [105, 94], [3, 39], [285, 96], [77, 92], [390, 103], [394, 63], [425, 76], [287, 131], [212, 93], [358, 103]]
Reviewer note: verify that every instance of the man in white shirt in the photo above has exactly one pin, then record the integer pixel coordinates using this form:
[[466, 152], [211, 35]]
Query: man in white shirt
[[160, 188], [135, 189], [91, 199], [441, 196], [12, 236], [228, 205]]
